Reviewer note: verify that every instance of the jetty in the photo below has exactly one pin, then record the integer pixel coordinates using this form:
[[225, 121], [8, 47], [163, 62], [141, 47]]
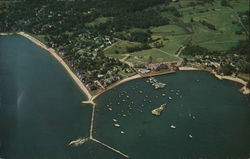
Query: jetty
[[112, 149], [156, 84]]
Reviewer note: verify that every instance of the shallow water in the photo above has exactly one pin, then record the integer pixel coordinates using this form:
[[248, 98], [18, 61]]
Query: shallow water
[[40, 113]]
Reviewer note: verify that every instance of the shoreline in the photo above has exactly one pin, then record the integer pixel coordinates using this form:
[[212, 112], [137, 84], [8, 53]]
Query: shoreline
[[60, 60], [136, 76], [91, 98], [6, 34], [243, 89]]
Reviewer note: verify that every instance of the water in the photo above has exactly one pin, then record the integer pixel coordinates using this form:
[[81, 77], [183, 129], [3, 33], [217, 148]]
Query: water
[[214, 112], [40, 113], [40, 110]]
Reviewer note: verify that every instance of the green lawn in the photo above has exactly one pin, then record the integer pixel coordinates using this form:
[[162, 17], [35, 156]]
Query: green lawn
[[173, 36], [157, 56], [240, 5], [98, 21], [118, 50], [39, 37], [222, 17]]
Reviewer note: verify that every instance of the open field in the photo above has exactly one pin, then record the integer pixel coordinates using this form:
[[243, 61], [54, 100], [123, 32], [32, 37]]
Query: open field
[[174, 36], [143, 56], [121, 47], [221, 39], [98, 21]]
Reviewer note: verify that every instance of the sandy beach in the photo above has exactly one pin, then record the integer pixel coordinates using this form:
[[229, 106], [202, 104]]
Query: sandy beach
[[91, 98], [137, 76], [244, 89], [5, 34], [60, 60]]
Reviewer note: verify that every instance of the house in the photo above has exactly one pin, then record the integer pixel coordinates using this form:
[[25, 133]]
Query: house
[[164, 65]]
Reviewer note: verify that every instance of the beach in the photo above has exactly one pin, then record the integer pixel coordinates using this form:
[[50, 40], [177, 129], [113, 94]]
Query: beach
[[60, 60], [137, 76], [243, 90], [91, 98]]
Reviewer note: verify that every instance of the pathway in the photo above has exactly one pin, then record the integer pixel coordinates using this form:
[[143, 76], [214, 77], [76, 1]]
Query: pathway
[[168, 54]]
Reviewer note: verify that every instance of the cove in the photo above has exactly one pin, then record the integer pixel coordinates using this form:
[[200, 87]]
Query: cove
[[214, 112]]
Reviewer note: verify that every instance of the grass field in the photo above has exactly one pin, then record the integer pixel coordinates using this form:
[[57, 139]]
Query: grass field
[[174, 36], [222, 17], [119, 49], [157, 56], [98, 21]]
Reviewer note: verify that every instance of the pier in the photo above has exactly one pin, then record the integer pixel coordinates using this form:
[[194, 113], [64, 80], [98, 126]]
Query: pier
[[92, 123], [112, 149], [91, 101]]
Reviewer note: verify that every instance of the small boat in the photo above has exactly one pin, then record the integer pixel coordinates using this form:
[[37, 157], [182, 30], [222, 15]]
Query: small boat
[[114, 120], [170, 98], [163, 94], [173, 127], [117, 125], [110, 109], [122, 132], [190, 136], [124, 115]]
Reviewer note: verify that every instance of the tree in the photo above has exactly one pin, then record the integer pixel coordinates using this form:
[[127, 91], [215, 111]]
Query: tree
[[227, 69], [248, 84], [225, 3], [150, 59]]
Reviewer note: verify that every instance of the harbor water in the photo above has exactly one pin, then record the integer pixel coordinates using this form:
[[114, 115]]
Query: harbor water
[[41, 112]]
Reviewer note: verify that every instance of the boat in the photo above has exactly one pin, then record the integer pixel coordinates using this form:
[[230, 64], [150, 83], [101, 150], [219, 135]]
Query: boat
[[117, 125], [114, 120], [173, 127], [122, 132], [190, 136]]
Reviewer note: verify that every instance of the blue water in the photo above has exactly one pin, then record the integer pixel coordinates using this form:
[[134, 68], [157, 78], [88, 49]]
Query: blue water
[[40, 106], [214, 112], [41, 112]]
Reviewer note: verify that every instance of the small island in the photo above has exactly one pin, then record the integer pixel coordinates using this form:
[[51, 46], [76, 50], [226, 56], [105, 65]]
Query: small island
[[158, 110]]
